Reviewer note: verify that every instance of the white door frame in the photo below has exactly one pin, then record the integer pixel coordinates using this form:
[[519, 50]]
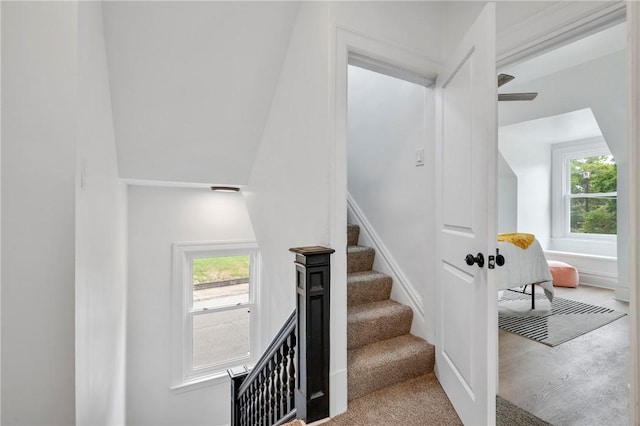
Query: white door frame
[[633, 28], [387, 58]]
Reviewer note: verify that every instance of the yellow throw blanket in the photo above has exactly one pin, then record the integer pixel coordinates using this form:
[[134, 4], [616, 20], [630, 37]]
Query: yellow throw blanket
[[521, 240]]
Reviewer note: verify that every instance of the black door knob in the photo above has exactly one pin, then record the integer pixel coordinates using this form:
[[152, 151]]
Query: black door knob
[[479, 259]]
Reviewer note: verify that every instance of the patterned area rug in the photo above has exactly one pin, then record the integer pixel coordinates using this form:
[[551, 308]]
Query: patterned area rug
[[550, 323]]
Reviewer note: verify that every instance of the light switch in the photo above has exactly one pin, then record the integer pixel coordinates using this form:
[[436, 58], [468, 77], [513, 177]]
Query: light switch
[[419, 157]]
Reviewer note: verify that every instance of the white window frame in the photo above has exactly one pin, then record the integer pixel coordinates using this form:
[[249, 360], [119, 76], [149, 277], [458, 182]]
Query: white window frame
[[561, 155], [183, 371]]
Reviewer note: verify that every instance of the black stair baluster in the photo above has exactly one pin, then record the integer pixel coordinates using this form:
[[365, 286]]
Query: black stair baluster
[[256, 402], [285, 378], [292, 373], [272, 392], [277, 384], [252, 404], [263, 398], [260, 398], [243, 409]]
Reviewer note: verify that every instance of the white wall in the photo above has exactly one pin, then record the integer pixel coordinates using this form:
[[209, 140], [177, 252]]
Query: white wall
[[296, 186], [531, 163], [100, 238], [158, 217], [459, 16], [387, 123], [288, 192], [39, 83], [574, 89], [415, 26], [507, 197]]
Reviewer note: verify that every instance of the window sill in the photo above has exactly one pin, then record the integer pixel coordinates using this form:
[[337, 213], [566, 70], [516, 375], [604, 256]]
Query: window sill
[[583, 246], [214, 379], [580, 255]]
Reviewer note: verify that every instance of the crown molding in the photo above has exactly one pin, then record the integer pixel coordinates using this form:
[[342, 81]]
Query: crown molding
[[557, 25]]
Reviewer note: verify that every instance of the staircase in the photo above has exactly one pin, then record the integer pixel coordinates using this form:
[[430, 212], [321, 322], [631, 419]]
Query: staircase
[[380, 349]]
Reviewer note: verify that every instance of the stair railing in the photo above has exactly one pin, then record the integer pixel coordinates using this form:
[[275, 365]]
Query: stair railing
[[266, 394], [291, 378]]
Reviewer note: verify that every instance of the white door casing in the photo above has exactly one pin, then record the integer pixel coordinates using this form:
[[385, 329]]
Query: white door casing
[[466, 151]]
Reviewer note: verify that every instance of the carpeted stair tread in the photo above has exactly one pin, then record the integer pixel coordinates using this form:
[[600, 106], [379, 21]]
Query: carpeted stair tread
[[376, 321], [417, 402], [353, 234], [387, 362], [367, 287], [360, 258]]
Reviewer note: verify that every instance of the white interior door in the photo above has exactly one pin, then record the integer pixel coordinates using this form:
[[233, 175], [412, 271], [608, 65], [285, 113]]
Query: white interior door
[[466, 329]]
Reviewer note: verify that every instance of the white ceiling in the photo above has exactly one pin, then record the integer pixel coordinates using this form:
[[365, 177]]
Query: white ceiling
[[192, 82], [580, 85], [570, 126], [600, 44], [191, 85]]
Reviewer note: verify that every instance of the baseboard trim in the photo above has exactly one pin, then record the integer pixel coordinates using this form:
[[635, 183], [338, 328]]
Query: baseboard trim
[[622, 294], [596, 271], [385, 257], [595, 279], [337, 392]]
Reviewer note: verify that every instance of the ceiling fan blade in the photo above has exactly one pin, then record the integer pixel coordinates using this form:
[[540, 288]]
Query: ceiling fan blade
[[504, 79], [517, 96]]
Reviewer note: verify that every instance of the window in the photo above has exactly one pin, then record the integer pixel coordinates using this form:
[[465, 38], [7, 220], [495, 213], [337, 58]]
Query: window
[[214, 293], [585, 191]]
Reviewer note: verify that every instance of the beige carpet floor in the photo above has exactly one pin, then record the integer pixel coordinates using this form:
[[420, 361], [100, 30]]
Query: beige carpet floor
[[419, 401], [509, 414]]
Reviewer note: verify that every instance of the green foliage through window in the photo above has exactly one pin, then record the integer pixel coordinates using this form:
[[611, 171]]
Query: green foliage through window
[[593, 195], [212, 269]]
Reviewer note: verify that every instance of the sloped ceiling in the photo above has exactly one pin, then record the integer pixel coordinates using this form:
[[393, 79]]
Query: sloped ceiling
[[191, 85], [589, 73], [570, 126]]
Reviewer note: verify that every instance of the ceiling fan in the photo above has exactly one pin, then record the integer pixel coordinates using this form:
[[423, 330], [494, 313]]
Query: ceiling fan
[[504, 79]]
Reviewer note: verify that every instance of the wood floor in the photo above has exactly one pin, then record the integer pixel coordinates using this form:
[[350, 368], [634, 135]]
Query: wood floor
[[580, 382]]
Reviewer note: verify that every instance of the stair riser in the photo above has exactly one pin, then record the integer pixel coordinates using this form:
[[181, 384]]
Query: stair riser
[[353, 235], [383, 327], [360, 261], [362, 382], [373, 290]]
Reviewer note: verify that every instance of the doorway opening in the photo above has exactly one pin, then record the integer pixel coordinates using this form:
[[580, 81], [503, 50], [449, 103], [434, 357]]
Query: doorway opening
[[581, 102], [389, 163]]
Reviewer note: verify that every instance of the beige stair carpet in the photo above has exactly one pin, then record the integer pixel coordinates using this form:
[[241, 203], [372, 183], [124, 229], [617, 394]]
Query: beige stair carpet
[[386, 363], [375, 321], [360, 258], [353, 235], [296, 422], [367, 286], [419, 401], [381, 352]]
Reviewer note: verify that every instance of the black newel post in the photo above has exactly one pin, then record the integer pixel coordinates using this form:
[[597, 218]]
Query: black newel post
[[237, 376], [313, 276]]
